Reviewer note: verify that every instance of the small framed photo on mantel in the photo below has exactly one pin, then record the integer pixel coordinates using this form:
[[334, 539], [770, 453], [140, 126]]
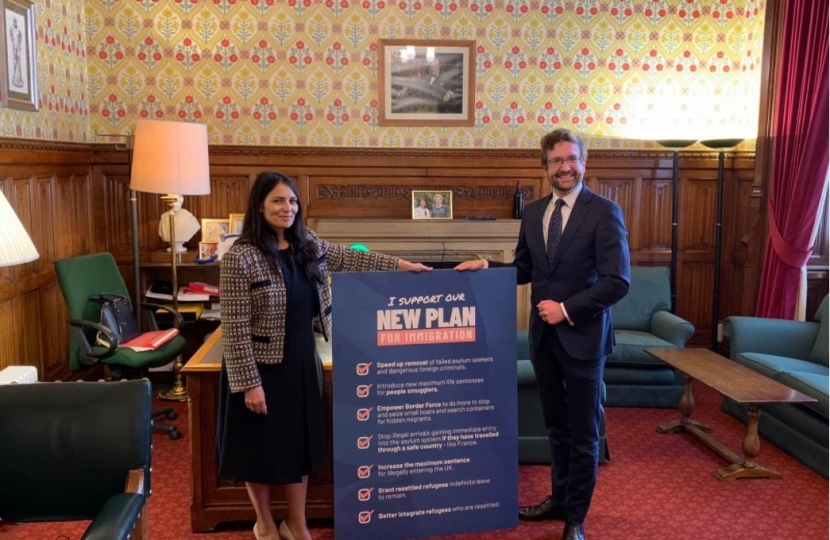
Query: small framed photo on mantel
[[18, 56], [431, 204]]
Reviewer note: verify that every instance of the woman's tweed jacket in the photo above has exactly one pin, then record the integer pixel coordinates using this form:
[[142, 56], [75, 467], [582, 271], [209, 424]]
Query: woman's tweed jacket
[[254, 302]]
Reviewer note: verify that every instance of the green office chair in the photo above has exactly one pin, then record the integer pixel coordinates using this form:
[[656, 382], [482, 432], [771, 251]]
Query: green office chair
[[77, 451], [85, 277]]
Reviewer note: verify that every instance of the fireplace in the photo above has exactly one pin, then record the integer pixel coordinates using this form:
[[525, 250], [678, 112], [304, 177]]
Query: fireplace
[[437, 243]]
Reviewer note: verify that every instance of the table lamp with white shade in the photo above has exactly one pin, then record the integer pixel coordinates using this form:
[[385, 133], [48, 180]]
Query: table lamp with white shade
[[15, 245], [171, 159], [15, 248]]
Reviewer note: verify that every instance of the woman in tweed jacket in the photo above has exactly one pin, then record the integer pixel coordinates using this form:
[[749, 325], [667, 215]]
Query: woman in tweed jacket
[[274, 283]]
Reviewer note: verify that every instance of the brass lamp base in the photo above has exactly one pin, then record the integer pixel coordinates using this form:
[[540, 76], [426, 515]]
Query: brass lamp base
[[178, 392]]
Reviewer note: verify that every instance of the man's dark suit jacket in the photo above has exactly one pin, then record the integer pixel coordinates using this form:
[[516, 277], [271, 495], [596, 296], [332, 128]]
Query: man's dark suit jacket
[[591, 272]]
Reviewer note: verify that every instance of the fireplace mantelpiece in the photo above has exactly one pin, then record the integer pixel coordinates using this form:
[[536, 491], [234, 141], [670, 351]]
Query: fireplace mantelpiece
[[432, 241]]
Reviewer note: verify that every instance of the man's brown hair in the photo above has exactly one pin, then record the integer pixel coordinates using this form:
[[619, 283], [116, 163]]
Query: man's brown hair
[[561, 135]]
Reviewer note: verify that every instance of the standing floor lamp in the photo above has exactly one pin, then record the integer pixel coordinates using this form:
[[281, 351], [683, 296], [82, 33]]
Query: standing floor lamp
[[721, 145], [675, 145], [171, 158]]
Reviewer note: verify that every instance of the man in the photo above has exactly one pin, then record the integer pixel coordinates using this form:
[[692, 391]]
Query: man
[[573, 249], [434, 92]]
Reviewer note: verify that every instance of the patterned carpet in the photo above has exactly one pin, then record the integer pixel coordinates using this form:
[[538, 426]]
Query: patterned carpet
[[655, 487]]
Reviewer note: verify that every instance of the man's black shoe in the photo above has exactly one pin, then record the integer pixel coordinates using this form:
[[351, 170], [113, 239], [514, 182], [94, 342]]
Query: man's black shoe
[[544, 511], [573, 531]]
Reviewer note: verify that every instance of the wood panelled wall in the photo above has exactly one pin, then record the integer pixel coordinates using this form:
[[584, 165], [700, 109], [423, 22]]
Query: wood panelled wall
[[74, 199]]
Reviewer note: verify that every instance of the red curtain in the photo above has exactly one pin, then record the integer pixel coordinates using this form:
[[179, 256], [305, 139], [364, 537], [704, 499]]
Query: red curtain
[[800, 155]]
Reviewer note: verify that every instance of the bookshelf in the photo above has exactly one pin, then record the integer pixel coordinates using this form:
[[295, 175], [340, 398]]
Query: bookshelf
[[156, 266]]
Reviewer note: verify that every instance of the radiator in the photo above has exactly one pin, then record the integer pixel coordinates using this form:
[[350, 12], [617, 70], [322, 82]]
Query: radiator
[[18, 375]]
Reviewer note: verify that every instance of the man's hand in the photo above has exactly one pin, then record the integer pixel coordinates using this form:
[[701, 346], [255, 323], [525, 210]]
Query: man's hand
[[550, 311], [478, 264], [255, 400], [407, 266]]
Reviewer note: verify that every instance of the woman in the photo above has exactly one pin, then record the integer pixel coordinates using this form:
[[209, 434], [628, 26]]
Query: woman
[[421, 211], [274, 280], [438, 208]]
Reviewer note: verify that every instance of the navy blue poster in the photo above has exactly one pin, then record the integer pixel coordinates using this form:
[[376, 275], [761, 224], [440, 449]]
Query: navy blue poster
[[425, 413]]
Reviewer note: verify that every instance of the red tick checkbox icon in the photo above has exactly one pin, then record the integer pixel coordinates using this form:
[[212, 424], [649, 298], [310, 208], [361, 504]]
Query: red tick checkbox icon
[[365, 517], [364, 471], [363, 390], [364, 442], [364, 494], [364, 414], [363, 369]]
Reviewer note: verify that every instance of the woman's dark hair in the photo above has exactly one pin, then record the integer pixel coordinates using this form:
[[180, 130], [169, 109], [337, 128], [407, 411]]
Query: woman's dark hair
[[256, 231]]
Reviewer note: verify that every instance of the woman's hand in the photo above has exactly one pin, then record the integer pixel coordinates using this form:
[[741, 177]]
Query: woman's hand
[[407, 266], [255, 400], [472, 265]]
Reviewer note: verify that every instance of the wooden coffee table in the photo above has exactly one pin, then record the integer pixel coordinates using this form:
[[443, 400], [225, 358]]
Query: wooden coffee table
[[735, 382]]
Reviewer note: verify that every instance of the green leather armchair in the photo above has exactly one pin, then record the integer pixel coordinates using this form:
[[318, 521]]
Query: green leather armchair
[[642, 320], [75, 452], [533, 437], [796, 354]]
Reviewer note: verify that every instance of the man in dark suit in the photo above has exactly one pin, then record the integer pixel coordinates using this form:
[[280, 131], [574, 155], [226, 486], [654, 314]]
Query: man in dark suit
[[573, 249]]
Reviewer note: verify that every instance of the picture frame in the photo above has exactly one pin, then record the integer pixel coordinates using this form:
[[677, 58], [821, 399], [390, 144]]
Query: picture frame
[[426, 82], [226, 242], [426, 204], [212, 229], [235, 223], [208, 249], [18, 56]]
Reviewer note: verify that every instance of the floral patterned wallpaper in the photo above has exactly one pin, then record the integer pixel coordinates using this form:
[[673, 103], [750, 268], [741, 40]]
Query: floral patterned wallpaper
[[304, 72]]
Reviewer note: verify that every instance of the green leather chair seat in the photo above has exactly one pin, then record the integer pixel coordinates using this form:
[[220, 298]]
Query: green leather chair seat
[[772, 365], [629, 349], [814, 385]]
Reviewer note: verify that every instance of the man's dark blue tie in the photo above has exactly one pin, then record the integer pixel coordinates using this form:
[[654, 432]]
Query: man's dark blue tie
[[555, 230]]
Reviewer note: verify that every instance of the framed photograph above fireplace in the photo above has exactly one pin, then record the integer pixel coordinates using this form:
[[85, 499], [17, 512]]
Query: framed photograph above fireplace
[[426, 82]]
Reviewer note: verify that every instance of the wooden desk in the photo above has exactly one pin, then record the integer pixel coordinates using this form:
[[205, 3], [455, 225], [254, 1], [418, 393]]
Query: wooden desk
[[215, 500], [735, 382]]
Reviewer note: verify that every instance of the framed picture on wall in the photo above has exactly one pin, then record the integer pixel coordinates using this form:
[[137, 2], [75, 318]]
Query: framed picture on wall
[[426, 82], [235, 226], [212, 229], [431, 204], [18, 56]]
